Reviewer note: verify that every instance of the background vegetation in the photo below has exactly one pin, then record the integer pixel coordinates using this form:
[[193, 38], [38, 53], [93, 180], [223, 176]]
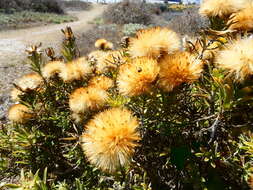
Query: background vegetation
[[198, 135], [26, 13]]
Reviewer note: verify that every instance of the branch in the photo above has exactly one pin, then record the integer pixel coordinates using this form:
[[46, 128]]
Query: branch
[[213, 128]]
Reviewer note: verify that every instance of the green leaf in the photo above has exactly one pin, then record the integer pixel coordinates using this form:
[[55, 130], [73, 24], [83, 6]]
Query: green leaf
[[179, 155]]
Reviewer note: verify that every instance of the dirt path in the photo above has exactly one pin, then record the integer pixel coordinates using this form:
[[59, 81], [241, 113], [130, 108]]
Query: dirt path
[[14, 42]]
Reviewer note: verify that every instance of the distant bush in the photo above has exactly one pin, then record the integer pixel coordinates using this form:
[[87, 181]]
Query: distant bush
[[189, 22], [76, 4], [131, 29], [23, 19], [52, 6], [128, 12], [47, 6], [179, 7], [110, 32]]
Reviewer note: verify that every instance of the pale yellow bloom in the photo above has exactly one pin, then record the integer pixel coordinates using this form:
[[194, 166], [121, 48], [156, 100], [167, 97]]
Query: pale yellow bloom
[[237, 59], [19, 113], [110, 138], [242, 20], [30, 81], [103, 44], [136, 77], [153, 42], [102, 82], [15, 93], [221, 8], [85, 99], [76, 70], [178, 68], [52, 69]]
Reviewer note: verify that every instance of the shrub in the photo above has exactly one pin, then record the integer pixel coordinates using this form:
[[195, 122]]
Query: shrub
[[149, 115], [130, 29], [189, 22], [35, 5], [47, 6], [128, 12], [110, 32], [76, 4]]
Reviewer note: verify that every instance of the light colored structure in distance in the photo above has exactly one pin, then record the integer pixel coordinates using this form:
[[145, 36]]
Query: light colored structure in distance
[[148, 1]]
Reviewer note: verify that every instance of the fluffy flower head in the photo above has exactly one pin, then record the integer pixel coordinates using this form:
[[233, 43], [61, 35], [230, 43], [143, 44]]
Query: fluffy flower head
[[242, 20], [52, 68], [103, 44], [30, 81], [15, 93], [110, 138], [76, 70], [178, 68], [136, 77], [89, 98], [153, 42], [221, 8], [19, 113], [237, 59], [102, 82]]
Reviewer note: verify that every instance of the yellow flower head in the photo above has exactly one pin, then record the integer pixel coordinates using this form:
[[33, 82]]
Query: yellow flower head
[[136, 78], [102, 82], [30, 81], [178, 68], [250, 182], [242, 20], [103, 44], [153, 42], [109, 61], [89, 98], [19, 113], [110, 138], [237, 59], [52, 68], [15, 93], [221, 8], [76, 70]]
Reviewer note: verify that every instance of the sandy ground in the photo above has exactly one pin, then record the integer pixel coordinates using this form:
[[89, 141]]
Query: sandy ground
[[14, 42]]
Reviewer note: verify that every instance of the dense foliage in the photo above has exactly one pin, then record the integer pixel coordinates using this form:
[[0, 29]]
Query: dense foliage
[[52, 6], [154, 114]]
